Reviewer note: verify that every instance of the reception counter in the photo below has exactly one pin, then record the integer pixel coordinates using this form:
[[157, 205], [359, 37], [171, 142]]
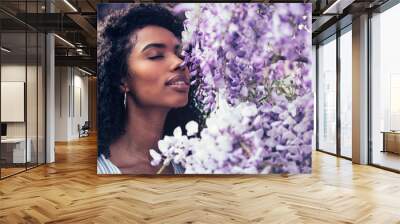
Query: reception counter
[[13, 150], [391, 141]]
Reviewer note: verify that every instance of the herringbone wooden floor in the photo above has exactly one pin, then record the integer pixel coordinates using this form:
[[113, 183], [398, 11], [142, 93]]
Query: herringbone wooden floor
[[69, 191]]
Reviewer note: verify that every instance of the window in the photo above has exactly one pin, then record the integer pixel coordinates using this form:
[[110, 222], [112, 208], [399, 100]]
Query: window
[[346, 93], [385, 88], [327, 96]]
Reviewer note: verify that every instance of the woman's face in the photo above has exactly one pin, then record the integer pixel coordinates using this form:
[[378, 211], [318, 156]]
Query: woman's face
[[155, 77]]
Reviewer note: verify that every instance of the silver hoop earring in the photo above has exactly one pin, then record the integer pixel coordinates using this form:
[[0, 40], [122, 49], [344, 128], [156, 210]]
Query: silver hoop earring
[[125, 100]]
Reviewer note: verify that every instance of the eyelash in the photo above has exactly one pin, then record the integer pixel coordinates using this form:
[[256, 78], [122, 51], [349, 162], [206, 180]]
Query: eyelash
[[158, 57]]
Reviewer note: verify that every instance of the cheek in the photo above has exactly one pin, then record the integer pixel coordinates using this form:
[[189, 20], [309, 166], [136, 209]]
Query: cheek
[[148, 85], [147, 79]]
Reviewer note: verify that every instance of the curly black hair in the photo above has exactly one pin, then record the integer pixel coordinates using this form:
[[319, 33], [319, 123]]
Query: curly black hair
[[114, 47]]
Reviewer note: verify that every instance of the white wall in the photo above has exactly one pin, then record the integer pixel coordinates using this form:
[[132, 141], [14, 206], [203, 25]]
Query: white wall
[[71, 94], [13, 72], [61, 103], [80, 110]]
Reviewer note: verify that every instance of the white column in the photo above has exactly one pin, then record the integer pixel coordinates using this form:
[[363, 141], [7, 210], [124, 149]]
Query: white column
[[360, 89], [50, 93], [314, 89]]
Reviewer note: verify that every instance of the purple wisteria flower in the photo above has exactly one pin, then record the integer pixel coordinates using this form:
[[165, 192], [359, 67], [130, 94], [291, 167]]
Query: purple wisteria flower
[[249, 50], [252, 64]]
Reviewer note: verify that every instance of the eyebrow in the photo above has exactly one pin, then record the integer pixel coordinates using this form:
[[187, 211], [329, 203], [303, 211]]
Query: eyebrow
[[159, 45]]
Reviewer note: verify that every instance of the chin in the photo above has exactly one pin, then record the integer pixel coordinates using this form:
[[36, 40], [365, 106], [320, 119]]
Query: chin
[[179, 102], [182, 104]]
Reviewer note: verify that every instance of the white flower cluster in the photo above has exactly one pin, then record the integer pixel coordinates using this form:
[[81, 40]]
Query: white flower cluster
[[227, 145], [244, 139]]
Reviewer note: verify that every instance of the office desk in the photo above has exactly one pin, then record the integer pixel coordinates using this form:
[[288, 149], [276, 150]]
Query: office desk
[[391, 141], [13, 150]]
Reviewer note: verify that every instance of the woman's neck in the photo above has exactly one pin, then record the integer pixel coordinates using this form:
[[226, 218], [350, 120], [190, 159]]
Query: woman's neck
[[144, 127]]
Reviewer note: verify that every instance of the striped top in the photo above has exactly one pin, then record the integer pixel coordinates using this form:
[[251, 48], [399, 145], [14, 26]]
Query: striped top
[[105, 166]]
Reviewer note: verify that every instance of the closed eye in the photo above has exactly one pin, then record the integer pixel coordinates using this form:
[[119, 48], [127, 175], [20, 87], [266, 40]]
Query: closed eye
[[157, 57]]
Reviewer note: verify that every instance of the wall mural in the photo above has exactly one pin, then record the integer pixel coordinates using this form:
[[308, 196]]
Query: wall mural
[[204, 88]]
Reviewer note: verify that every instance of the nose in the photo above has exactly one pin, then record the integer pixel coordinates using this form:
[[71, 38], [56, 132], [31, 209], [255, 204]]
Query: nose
[[182, 65], [178, 64]]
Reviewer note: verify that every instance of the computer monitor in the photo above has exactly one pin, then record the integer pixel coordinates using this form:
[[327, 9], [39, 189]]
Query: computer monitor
[[3, 129]]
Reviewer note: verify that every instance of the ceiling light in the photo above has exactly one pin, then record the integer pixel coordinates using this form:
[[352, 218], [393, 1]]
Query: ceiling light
[[84, 71], [337, 7], [64, 40], [331, 7], [5, 50], [70, 5]]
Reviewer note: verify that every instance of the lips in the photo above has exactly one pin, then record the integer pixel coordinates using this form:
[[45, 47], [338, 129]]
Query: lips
[[179, 83], [177, 80]]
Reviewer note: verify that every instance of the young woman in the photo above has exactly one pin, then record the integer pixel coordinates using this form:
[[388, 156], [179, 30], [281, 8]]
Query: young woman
[[143, 86]]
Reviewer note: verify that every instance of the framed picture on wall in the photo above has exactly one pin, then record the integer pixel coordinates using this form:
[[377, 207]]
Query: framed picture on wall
[[12, 101]]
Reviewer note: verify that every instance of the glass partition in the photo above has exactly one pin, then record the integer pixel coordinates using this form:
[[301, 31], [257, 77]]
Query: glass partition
[[33, 64], [41, 91], [14, 144], [31, 99], [22, 64]]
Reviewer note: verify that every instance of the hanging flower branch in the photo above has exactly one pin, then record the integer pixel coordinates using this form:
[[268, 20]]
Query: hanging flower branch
[[252, 64]]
